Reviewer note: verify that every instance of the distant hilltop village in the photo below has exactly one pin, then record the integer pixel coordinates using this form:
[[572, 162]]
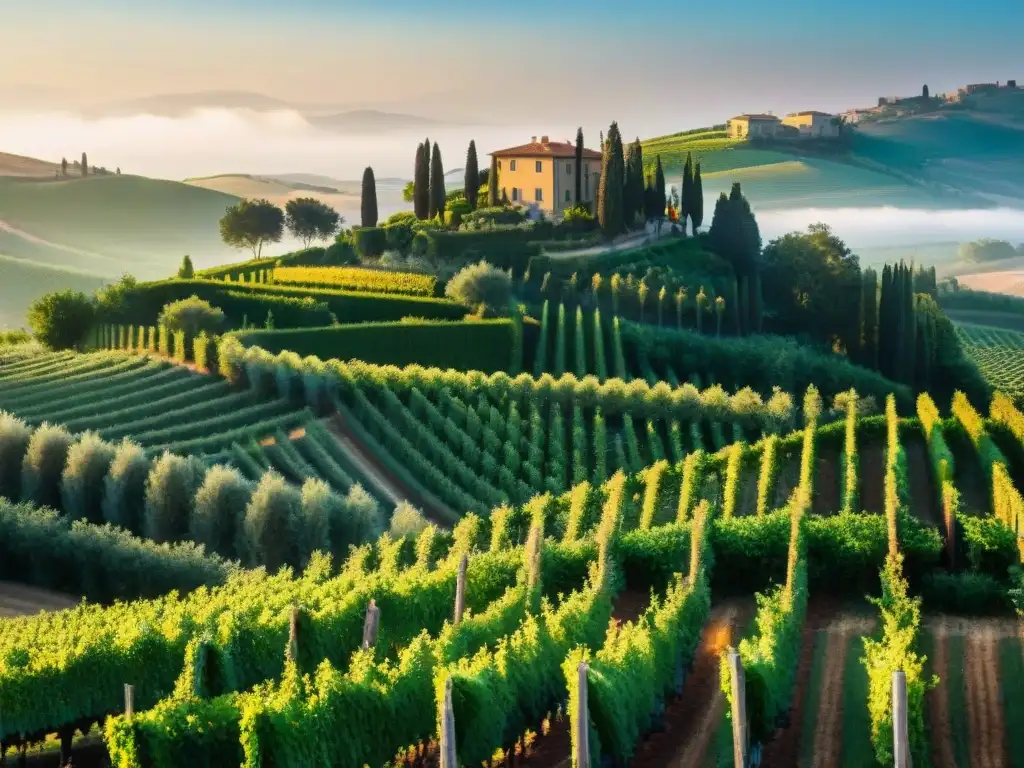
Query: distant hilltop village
[[798, 125], [972, 95]]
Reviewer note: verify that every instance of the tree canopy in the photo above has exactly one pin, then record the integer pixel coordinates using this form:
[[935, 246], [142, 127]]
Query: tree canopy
[[61, 319], [483, 287], [988, 249], [309, 219], [251, 224]]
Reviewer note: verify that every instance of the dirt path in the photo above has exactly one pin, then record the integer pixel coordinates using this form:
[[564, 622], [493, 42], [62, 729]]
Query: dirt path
[[923, 502], [826, 499], [692, 721], [872, 478], [984, 702], [939, 722], [20, 600]]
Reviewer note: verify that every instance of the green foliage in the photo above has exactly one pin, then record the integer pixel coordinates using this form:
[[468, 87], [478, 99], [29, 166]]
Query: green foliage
[[124, 487], [896, 649], [170, 491], [611, 211], [186, 271], [218, 510], [61, 320], [370, 241], [357, 279], [272, 525], [309, 219], [483, 287], [81, 488], [986, 249], [481, 345], [251, 224], [191, 316], [44, 464], [990, 543], [14, 439]]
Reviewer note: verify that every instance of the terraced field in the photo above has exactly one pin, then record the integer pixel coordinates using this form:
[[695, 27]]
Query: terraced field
[[999, 355]]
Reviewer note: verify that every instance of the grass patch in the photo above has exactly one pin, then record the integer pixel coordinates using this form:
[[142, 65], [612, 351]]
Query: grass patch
[[857, 750], [953, 676], [812, 697], [1011, 672]]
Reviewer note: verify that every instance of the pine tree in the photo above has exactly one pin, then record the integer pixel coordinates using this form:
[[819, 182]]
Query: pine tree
[[437, 190], [368, 208], [85, 165], [492, 184], [421, 183], [660, 200], [696, 199], [686, 193], [472, 177], [578, 199], [610, 204]]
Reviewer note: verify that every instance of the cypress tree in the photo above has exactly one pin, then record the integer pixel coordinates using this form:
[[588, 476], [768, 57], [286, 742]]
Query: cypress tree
[[472, 182], [579, 167], [421, 183], [437, 190], [492, 184], [632, 195], [869, 319], [85, 165], [610, 202], [686, 194], [696, 202], [659, 188], [369, 201], [909, 325], [638, 180], [885, 323]]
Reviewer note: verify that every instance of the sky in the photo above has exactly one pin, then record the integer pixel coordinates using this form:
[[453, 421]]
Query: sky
[[655, 65]]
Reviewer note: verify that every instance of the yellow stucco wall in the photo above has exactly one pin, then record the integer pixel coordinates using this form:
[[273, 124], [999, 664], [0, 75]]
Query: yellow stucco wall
[[552, 180], [812, 125]]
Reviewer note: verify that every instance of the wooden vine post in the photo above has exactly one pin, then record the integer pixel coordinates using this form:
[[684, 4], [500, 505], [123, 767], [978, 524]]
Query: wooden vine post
[[581, 721], [449, 755], [460, 589], [740, 747], [900, 733], [129, 701], [293, 634], [371, 625]]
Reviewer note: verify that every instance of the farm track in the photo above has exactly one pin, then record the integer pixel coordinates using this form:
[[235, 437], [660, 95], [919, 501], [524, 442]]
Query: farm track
[[21, 600], [937, 704], [691, 722], [367, 463], [923, 503], [984, 702], [872, 478]]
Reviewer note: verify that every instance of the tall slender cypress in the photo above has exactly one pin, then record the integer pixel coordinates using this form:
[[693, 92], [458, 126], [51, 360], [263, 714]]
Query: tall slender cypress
[[421, 183], [368, 208], [632, 196], [869, 319], [686, 193], [472, 178], [437, 190], [659, 188], [579, 167], [610, 203], [638, 179], [909, 325], [886, 327], [492, 184], [696, 202]]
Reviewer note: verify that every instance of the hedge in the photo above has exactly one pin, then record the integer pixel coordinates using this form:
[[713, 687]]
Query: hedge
[[682, 254], [370, 241], [102, 563], [469, 345], [505, 247], [142, 305]]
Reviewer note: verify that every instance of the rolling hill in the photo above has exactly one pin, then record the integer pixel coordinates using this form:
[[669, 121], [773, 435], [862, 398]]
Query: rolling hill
[[23, 281], [26, 167]]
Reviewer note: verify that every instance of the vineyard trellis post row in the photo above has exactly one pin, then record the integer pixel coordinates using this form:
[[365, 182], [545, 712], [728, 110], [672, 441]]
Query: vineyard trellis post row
[[900, 734], [739, 710], [581, 721], [370, 625], [460, 589], [449, 754]]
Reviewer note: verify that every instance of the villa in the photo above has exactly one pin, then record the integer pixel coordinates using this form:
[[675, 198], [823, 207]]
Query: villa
[[813, 124], [745, 126], [542, 175]]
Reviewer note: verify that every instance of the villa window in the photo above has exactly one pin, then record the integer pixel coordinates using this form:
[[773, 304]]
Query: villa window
[[568, 169], [568, 196], [540, 166], [538, 194], [511, 165], [515, 193]]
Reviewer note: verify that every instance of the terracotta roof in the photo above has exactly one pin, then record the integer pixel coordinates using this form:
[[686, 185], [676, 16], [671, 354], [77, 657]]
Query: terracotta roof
[[754, 117], [550, 149], [814, 112]]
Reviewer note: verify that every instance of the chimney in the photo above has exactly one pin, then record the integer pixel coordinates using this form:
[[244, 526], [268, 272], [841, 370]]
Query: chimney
[[543, 139], [533, 139]]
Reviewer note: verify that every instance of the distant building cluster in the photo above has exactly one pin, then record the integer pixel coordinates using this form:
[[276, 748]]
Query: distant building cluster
[[798, 125]]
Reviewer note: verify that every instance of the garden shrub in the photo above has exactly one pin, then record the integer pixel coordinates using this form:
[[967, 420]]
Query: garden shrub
[[85, 472], [62, 319], [124, 487], [192, 315], [14, 439], [481, 286], [219, 509], [370, 242], [43, 465], [270, 532], [318, 503], [170, 492]]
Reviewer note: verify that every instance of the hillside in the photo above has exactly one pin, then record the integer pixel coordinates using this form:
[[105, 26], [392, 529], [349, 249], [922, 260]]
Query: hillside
[[112, 224], [23, 281], [27, 167]]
